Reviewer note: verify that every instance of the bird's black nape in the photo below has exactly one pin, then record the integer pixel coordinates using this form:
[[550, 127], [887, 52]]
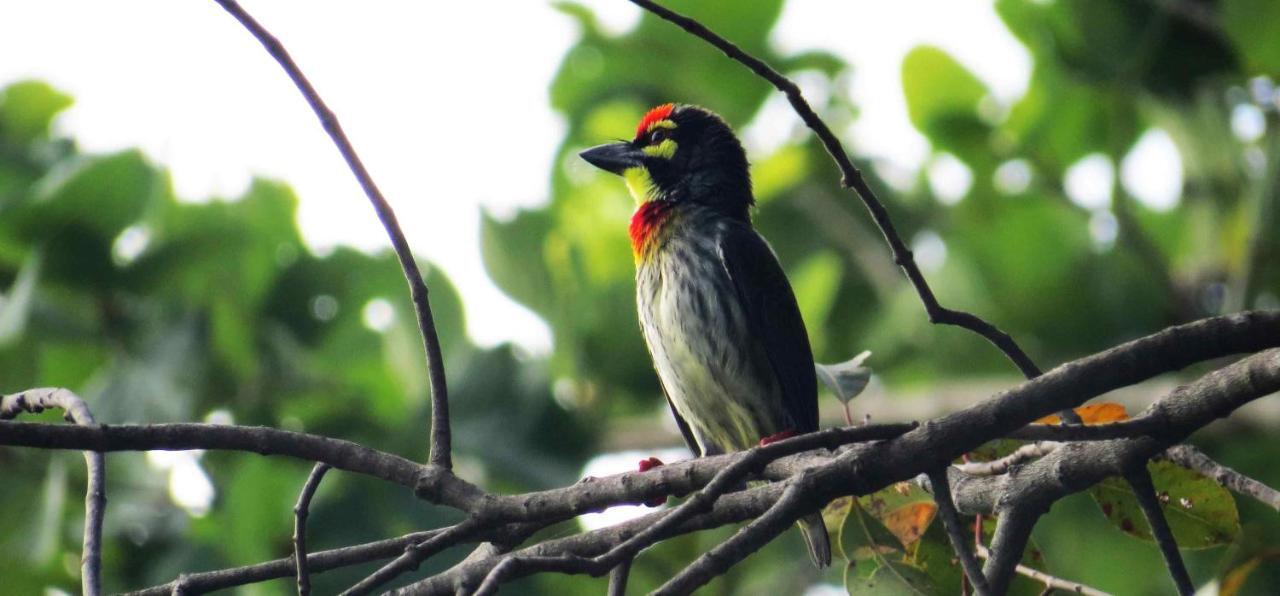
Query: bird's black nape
[[709, 165]]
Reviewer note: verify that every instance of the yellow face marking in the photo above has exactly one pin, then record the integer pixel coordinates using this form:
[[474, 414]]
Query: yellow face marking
[[666, 149], [661, 124], [640, 184]]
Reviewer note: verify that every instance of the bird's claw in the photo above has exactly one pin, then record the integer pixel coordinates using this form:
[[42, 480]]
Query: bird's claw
[[647, 464], [774, 438]]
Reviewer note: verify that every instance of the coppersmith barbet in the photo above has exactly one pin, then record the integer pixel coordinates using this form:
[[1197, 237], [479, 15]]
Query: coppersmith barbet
[[716, 310]]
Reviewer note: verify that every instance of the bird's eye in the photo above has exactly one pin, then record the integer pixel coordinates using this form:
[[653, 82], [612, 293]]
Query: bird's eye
[[658, 135]]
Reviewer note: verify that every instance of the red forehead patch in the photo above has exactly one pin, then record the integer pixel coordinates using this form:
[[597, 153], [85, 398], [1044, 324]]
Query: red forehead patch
[[661, 112]]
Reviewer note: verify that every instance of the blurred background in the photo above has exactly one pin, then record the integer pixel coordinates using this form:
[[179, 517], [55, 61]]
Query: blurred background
[[180, 242]]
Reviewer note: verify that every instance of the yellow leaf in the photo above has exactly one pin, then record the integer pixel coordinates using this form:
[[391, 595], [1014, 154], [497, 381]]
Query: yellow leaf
[[1099, 413]]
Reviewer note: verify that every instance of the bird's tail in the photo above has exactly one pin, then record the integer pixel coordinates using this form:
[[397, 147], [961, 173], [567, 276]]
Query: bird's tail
[[815, 536]]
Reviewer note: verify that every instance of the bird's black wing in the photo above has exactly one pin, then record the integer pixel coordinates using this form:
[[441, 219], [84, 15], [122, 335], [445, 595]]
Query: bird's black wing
[[685, 431], [774, 318]]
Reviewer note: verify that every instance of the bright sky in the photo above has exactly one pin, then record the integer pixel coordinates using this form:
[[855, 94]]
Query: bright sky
[[446, 103]]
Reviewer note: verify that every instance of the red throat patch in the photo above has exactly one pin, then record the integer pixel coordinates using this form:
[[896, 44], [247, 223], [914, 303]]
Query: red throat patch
[[645, 224], [661, 112]]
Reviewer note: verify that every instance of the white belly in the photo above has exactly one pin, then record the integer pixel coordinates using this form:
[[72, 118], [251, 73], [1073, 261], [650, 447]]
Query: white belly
[[716, 375]]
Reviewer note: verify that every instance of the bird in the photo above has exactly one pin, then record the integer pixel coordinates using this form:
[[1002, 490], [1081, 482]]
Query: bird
[[719, 317]]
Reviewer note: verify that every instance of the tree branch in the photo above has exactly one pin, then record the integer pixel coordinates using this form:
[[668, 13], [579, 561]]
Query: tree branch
[[573, 554], [440, 434], [941, 489], [1191, 458], [1002, 465], [300, 513], [1021, 495], [880, 455], [795, 502], [262, 440], [1049, 581], [1017, 517], [618, 578], [211, 581], [95, 494], [852, 178], [414, 555], [1140, 480]]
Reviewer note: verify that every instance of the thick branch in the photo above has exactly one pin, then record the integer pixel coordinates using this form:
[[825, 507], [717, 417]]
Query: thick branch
[[574, 553], [440, 435], [727, 478], [95, 494], [901, 453], [1020, 495], [618, 579], [1013, 530]]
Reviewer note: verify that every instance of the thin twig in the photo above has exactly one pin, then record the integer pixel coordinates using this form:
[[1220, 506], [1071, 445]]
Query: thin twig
[[95, 494], [263, 440], [1050, 581], [1140, 480], [210, 581], [300, 513], [1002, 465], [745, 541], [414, 555], [852, 178], [955, 530], [1191, 458], [440, 434]]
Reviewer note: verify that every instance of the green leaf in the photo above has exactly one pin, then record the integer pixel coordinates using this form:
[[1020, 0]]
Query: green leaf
[[904, 509], [255, 510], [846, 379], [891, 579], [513, 256], [15, 305], [815, 283], [877, 562], [27, 108], [103, 195], [942, 101], [1253, 27], [1200, 512]]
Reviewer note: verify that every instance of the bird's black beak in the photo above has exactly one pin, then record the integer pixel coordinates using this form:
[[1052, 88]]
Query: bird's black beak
[[613, 157]]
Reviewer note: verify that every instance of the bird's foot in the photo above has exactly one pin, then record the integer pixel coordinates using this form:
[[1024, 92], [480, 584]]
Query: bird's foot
[[647, 464], [774, 438]]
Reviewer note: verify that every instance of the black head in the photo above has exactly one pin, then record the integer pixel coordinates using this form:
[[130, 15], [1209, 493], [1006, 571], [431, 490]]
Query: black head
[[681, 153]]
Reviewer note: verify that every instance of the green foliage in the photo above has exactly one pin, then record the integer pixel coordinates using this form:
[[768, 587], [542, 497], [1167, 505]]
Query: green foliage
[[1253, 26], [27, 108], [943, 99], [154, 309], [1201, 513]]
